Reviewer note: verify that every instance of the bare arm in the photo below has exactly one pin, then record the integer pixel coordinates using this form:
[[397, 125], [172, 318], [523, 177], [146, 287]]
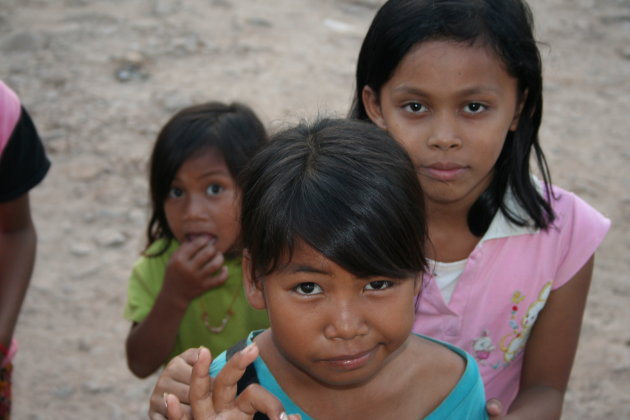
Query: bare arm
[[193, 269], [550, 350], [18, 242]]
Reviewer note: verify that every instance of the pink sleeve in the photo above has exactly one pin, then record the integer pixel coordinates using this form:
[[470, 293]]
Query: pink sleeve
[[9, 113], [582, 230]]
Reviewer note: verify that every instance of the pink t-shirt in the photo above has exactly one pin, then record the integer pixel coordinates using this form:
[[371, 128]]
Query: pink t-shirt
[[505, 284], [9, 114]]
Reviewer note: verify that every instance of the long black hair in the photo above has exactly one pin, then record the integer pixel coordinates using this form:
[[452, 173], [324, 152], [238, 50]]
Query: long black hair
[[233, 130], [505, 26], [343, 187]]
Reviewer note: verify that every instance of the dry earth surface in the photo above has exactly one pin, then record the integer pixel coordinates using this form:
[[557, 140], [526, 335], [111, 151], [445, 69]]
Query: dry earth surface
[[100, 77]]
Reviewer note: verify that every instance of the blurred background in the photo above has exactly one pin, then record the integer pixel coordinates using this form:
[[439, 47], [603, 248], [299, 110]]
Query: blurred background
[[100, 77]]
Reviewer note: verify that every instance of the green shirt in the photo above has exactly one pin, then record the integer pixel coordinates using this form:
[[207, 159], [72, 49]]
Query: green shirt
[[146, 282]]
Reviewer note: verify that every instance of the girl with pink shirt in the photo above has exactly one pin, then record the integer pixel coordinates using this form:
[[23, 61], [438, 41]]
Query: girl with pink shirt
[[459, 84]]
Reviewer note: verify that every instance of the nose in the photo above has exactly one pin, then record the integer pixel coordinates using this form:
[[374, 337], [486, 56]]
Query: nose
[[197, 208], [444, 134], [346, 321]]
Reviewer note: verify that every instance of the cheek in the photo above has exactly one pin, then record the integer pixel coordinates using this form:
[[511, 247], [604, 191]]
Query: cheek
[[172, 215], [397, 321]]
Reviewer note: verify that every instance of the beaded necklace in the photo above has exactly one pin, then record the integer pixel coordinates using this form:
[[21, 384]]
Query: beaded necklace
[[228, 315]]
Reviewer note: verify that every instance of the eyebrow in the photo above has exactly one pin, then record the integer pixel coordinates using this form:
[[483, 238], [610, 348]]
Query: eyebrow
[[302, 268], [209, 173], [465, 92]]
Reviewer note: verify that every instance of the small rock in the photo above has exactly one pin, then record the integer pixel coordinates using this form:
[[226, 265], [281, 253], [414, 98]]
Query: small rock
[[166, 7], [137, 217], [111, 238], [95, 388], [80, 249], [173, 101], [257, 21], [63, 391], [624, 53], [22, 42], [127, 72]]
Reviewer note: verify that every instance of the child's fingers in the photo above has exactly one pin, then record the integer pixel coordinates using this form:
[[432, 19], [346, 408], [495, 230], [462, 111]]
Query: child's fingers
[[173, 408], [494, 408], [190, 357], [206, 253], [225, 384], [174, 379], [188, 250], [214, 279], [200, 387], [255, 399]]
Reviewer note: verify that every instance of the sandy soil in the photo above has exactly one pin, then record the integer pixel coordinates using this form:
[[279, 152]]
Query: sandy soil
[[101, 77]]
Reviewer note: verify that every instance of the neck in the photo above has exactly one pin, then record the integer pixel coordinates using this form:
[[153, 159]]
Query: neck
[[450, 238], [323, 401]]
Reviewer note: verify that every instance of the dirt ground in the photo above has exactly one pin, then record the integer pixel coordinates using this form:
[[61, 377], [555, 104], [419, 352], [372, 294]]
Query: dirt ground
[[100, 77]]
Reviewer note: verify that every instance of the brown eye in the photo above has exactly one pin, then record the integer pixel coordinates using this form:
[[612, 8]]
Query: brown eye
[[379, 285], [415, 107], [175, 192], [214, 189], [475, 107], [308, 288]]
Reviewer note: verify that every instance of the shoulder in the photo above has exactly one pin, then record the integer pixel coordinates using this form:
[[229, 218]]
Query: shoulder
[[444, 359], [573, 211], [10, 111], [430, 364], [464, 396]]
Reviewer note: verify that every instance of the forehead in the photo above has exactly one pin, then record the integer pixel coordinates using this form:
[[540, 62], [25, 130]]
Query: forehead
[[204, 160], [305, 258], [451, 63]]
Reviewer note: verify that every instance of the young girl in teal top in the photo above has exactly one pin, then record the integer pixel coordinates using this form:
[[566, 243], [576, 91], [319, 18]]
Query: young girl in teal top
[[334, 232], [185, 291]]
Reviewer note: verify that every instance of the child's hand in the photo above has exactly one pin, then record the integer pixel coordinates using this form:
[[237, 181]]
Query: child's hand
[[216, 398], [494, 408], [193, 269], [174, 379]]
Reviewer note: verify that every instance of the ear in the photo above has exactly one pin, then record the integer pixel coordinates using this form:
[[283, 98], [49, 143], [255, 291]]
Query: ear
[[253, 288], [518, 111], [373, 106]]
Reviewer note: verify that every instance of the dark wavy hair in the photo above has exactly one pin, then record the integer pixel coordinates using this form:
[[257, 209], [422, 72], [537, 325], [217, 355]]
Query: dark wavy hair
[[233, 130], [506, 26], [343, 187]]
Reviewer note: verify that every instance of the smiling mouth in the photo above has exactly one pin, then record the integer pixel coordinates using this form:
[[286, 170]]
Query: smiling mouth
[[349, 362]]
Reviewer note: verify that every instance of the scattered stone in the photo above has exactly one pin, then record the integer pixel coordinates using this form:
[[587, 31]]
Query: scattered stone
[[63, 391], [84, 171], [173, 100], [22, 42], [111, 238], [624, 53], [339, 26], [166, 7], [84, 346], [79, 249], [127, 72], [92, 387], [137, 217], [256, 21]]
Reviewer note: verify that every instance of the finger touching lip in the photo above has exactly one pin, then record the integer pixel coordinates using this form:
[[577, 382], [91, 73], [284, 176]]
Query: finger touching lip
[[190, 237]]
